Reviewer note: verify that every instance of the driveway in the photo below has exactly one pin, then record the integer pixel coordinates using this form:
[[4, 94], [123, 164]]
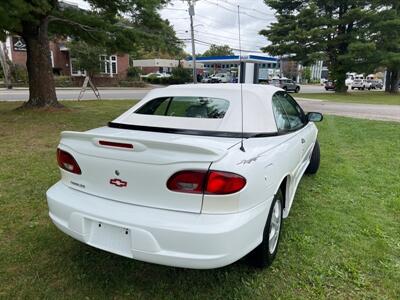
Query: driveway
[[355, 110]]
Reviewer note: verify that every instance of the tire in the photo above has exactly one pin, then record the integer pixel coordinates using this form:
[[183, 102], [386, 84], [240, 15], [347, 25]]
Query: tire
[[264, 254], [326, 89], [352, 88], [314, 160], [297, 89]]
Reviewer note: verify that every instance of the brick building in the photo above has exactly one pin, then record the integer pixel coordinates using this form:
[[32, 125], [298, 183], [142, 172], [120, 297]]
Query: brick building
[[113, 67]]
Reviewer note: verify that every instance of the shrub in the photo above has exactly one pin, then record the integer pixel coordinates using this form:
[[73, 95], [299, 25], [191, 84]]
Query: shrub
[[63, 81], [134, 72], [180, 75], [19, 74]]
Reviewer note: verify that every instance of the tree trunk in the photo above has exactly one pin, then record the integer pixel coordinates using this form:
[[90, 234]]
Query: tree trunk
[[387, 81], [42, 91], [392, 81]]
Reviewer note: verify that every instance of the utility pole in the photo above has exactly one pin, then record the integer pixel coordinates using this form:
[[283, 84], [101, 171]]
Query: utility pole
[[191, 14]]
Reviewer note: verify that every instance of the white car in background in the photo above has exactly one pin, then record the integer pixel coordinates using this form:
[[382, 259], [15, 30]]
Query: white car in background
[[156, 75], [180, 180], [220, 78], [360, 84]]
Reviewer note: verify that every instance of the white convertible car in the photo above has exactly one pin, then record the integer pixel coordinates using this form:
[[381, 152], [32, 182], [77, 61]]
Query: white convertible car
[[180, 180]]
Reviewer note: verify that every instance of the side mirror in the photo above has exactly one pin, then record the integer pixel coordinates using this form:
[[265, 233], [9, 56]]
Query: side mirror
[[315, 117]]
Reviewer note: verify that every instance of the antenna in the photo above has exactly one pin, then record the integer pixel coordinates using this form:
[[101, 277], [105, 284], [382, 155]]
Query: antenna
[[241, 87]]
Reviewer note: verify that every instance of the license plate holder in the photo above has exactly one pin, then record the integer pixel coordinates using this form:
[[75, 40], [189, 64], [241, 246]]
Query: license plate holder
[[110, 238]]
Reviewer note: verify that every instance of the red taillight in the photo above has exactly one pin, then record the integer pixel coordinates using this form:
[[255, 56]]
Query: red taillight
[[211, 182], [67, 162], [187, 182], [222, 183]]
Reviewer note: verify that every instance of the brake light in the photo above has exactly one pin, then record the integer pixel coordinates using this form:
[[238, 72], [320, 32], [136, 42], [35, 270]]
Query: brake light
[[187, 182], [222, 183], [211, 182], [115, 144], [67, 162]]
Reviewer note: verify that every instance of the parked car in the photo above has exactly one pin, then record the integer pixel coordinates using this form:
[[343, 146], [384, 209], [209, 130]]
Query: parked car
[[178, 180], [375, 84], [379, 84], [330, 85], [156, 75], [220, 78], [286, 84], [206, 80], [359, 84]]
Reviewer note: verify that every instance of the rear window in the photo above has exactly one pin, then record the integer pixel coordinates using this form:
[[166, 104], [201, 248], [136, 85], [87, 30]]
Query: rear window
[[189, 107]]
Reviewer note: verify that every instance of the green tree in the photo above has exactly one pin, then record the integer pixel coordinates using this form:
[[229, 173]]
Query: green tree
[[378, 46], [386, 26], [86, 57], [34, 21], [306, 74], [311, 30], [216, 50]]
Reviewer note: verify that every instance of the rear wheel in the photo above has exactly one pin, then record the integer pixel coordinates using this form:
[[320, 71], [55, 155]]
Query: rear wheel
[[314, 160], [297, 89], [265, 253]]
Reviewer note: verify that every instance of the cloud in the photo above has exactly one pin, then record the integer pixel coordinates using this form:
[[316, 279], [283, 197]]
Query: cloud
[[216, 22]]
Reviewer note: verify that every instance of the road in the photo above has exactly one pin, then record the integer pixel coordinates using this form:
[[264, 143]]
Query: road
[[355, 110], [22, 94], [365, 111]]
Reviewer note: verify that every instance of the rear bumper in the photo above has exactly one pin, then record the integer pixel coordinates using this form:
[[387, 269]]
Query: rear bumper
[[159, 236]]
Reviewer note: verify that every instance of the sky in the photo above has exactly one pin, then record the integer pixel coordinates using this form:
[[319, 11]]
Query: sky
[[216, 22]]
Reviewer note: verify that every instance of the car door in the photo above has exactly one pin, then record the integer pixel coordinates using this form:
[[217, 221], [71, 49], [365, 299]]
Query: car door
[[292, 147], [299, 127]]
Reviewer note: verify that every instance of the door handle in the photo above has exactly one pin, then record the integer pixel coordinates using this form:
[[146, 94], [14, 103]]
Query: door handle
[[303, 141]]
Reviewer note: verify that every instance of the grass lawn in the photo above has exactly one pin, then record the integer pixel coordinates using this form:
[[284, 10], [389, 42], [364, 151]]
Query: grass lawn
[[355, 97], [341, 240]]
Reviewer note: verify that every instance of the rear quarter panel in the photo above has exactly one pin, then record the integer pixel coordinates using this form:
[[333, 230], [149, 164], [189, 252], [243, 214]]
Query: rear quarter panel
[[264, 164]]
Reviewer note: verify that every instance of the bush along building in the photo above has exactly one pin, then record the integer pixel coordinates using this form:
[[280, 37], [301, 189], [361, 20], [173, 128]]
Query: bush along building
[[113, 68]]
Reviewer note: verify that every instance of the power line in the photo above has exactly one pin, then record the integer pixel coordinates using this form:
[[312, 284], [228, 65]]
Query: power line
[[205, 43], [222, 36], [249, 9], [233, 45], [176, 9], [236, 49], [231, 10]]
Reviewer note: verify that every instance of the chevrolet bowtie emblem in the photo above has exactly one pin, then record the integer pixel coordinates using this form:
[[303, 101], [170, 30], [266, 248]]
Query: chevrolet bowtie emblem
[[118, 182]]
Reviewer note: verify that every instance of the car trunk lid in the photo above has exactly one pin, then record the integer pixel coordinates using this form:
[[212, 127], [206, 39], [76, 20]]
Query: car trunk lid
[[134, 166]]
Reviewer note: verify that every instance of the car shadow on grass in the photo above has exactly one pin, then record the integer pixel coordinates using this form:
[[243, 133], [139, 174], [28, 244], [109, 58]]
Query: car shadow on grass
[[104, 273]]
